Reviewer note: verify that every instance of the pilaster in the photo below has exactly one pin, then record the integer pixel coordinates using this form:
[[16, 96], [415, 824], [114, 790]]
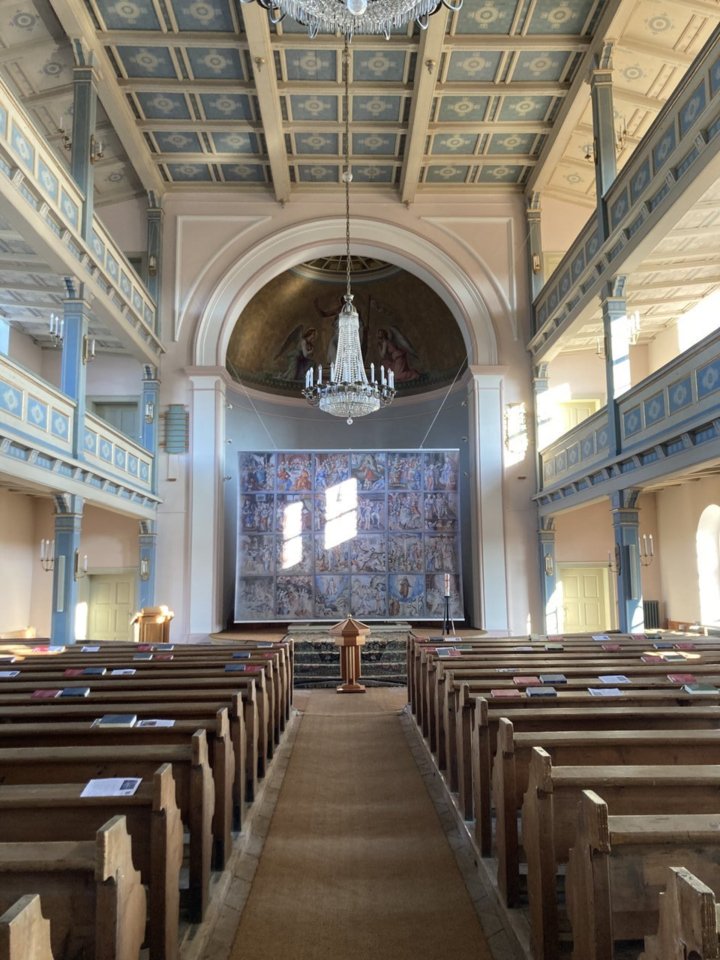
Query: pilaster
[[68, 523], [83, 132], [73, 374], [627, 565], [489, 578], [617, 356], [147, 541], [548, 575], [537, 267], [603, 118]]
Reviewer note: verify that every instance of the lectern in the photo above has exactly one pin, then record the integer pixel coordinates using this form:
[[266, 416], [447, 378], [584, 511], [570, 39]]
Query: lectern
[[350, 635]]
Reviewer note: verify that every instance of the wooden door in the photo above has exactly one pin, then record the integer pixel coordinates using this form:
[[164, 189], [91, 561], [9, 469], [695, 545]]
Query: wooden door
[[585, 598], [111, 605]]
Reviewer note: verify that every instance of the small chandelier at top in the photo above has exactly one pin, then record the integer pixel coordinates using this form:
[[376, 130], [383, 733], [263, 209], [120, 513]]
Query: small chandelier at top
[[348, 392], [350, 17]]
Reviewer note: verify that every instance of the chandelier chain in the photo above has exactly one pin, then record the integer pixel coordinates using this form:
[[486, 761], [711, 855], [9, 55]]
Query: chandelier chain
[[348, 174]]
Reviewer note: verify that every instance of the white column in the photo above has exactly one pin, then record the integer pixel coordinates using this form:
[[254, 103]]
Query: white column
[[486, 497], [207, 455]]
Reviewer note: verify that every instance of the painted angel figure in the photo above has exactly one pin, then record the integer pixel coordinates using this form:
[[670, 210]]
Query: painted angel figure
[[297, 351], [395, 351]]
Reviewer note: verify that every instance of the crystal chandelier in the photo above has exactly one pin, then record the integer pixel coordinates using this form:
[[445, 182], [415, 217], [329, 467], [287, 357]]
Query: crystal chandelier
[[349, 17], [348, 392]]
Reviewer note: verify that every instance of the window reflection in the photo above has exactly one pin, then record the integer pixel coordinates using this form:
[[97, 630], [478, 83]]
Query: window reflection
[[340, 513], [292, 535]]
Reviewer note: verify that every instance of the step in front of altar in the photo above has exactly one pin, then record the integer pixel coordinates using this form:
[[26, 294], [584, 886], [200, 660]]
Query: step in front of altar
[[317, 658]]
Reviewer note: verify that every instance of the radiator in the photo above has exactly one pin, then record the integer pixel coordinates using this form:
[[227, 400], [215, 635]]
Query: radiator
[[651, 614]]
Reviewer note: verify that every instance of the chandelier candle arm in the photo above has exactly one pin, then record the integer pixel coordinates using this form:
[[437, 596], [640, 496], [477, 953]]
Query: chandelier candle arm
[[348, 392]]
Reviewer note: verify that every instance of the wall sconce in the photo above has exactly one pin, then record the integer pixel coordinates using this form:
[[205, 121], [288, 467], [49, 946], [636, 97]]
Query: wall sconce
[[536, 263], [66, 141], [430, 64], [88, 349], [647, 549], [152, 265], [149, 411], [144, 568], [96, 150], [549, 565], [615, 566], [621, 133], [80, 566], [57, 329], [47, 555]]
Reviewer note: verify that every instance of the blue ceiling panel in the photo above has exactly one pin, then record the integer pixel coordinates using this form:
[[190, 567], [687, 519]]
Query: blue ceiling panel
[[455, 109], [311, 65], [500, 174], [203, 15], [179, 142], [387, 65], [244, 172], [446, 174], [163, 106], [215, 63], [511, 143], [454, 143], [468, 65], [486, 16], [524, 108], [236, 143], [196, 172], [128, 14], [226, 106], [540, 66], [372, 173], [563, 17], [310, 107], [317, 173], [377, 109], [374, 144], [323, 144], [147, 62]]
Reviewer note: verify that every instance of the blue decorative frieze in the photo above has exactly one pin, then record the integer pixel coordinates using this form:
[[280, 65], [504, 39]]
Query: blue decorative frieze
[[3, 121], [22, 148], [125, 284], [144, 470], [105, 452], [680, 394], [11, 399], [640, 180], [601, 440], [654, 409], [578, 265], [708, 379], [686, 162], [120, 458], [618, 209], [132, 465], [587, 449], [48, 180], [91, 439], [715, 78], [692, 108], [37, 413], [60, 425], [98, 248], [632, 422], [573, 455], [111, 265], [561, 461], [71, 212]]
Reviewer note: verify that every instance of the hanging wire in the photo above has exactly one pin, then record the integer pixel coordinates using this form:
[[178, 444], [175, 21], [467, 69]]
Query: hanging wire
[[347, 175], [442, 402], [236, 376]]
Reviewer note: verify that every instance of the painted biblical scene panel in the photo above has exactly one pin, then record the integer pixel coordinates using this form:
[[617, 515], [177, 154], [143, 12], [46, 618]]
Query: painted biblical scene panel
[[327, 534]]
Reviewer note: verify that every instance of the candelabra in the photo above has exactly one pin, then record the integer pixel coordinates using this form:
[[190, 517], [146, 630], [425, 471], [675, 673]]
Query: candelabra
[[57, 329], [144, 568], [448, 625], [647, 549], [47, 555], [88, 349], [80, 565]]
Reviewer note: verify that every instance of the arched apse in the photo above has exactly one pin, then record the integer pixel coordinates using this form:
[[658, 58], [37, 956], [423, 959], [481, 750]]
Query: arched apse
[[305, 241], [707, 545]]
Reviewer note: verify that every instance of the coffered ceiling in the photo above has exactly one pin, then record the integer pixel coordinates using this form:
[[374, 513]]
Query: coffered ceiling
[[206, 93]]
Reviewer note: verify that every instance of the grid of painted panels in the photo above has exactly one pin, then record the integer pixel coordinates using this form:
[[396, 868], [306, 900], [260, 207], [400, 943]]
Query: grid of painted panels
[[324, 535]]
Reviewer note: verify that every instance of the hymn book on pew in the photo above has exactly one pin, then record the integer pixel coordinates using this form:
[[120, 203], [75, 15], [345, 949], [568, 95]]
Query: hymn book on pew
[[75, 692], [614, 678], [553, 678], [682, 677], [541, 691], [506, 693], [156, 722], [9, 674], [123, 672], [92, 649], [605, 691], [44, 694], [111, 787], [116, 720], [698, 689]]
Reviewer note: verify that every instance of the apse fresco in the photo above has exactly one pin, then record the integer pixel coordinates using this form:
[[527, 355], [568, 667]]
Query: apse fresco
[[291, 324], [325, 535]]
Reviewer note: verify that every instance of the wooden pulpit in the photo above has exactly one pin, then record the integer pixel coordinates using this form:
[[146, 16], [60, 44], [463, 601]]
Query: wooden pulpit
[[350, 635]]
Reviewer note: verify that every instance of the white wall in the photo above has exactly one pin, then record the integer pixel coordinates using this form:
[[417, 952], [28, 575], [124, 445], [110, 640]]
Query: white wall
[[17, 553], [204, 241], [678, 514]]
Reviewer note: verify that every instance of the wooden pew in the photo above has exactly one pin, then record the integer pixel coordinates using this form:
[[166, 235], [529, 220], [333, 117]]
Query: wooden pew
[[689, 923], [91, 894], [85, 734], [487, 724], [194, 789], [549, 820], [604, 898], [45, 813], [24, 932], [149, 704]]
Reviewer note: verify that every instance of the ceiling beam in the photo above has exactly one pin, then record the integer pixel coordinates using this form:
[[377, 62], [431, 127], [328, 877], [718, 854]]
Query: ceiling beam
[[76, 22], [426, 72], [669, 263], [260, 48], [612, 23], [653, 104], [677, 58], [672, 285], [17, 51]]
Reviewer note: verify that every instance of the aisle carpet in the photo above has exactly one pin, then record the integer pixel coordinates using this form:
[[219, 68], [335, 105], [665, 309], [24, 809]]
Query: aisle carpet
[[356, 865]]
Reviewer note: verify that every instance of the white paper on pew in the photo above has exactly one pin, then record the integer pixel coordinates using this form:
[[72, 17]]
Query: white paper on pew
[[601, 637], [155, 723], [111, 787], [90, 649], [123, 672], [614, 678], [605, 691], [9, 674]]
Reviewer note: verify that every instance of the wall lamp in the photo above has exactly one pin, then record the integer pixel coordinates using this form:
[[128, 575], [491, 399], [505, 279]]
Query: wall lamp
[[144, 568]]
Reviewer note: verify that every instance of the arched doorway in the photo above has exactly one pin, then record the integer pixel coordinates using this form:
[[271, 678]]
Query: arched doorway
[[707, 546]]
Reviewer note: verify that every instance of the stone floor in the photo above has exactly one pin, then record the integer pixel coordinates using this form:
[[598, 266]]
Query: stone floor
[[213, 939]]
